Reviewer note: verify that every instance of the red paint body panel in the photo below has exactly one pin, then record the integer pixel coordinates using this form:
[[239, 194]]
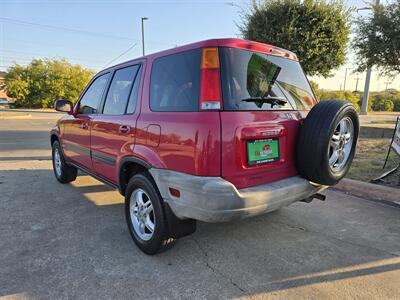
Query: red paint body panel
[[188, 142], [78, 135], [242, 126], [106, 139]]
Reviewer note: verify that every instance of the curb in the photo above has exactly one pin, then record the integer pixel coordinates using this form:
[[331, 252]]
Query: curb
[[376, 132], [5, 117], [370, 191], [29, 110]]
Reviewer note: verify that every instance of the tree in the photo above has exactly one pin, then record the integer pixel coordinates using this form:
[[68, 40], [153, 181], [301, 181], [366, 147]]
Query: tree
[[317, 31], [381, 103], [315, 89], [353, 98], [377, 39], [42, 81]]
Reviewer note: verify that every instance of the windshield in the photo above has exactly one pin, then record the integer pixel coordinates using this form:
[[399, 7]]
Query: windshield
[[246, 75]]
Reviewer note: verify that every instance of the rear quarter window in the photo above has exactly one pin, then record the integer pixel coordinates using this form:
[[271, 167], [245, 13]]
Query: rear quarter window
[[175, 82]]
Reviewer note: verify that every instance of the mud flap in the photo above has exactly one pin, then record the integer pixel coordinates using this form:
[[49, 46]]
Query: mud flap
[[178, 228]]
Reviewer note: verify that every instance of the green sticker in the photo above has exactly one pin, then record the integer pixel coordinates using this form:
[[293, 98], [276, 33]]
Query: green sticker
[[262, 151]]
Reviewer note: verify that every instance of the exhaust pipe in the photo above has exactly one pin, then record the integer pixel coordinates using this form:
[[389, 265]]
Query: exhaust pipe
[[319, 196], [316, 196]]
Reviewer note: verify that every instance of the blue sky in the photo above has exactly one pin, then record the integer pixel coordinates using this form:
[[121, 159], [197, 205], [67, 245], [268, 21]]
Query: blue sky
[[111, 27]]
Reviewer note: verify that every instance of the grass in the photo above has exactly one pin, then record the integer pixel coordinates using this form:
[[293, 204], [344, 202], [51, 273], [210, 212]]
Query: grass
[[369, 159]]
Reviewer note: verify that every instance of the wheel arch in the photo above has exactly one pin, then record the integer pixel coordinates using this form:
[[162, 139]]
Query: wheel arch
[[128, 167], [54, 137]]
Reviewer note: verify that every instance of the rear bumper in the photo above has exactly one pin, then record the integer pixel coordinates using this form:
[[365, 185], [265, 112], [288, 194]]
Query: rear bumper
[[213, 199]]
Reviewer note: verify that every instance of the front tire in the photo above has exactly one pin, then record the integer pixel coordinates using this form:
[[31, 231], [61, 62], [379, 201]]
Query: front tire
[[63, 172], [145, 214]]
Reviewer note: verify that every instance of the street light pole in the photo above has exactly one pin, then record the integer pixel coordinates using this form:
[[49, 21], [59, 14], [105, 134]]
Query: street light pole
[[364, 105], [345, 77], [357, 84], [143, 19]]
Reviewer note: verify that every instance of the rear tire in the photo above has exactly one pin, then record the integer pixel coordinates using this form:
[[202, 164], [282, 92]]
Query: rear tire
[[327, 142], [63, 172], [145, 215]]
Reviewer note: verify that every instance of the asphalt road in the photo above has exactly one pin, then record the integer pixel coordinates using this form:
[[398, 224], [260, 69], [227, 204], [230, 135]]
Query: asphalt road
[[71, 241]]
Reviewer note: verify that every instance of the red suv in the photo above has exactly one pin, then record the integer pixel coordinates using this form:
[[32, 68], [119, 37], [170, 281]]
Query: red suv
[[213, 131]]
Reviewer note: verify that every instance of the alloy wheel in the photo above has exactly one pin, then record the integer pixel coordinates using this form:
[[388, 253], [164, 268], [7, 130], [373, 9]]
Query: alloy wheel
[[57, 162], [142, 214], [340, 144]]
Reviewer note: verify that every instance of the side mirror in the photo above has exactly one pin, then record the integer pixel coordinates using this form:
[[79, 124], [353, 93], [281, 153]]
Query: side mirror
[[64, 105]]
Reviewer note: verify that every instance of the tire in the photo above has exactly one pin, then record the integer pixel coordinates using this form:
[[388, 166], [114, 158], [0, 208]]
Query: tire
[[63, 172], [327, 142], [139, 217]]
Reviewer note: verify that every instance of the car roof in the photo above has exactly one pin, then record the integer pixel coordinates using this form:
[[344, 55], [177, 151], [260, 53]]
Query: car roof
[[226, 42]]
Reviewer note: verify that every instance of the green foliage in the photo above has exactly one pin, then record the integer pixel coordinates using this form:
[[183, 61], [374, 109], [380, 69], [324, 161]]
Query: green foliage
[[396, 104], [377, 39], [317, 31], [385, 101], [378, 101], [315, 89], [43, 81], [353, 98], [381, 104]]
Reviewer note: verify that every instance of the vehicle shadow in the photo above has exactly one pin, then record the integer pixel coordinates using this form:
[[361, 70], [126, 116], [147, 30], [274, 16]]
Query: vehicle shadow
[[71, 241]]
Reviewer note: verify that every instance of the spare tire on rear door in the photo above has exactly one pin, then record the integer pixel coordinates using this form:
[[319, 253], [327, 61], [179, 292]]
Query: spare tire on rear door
[[327, 142]]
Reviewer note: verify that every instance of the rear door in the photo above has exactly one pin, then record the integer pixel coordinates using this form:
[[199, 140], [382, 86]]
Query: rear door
[[259, 139], [113, 131]]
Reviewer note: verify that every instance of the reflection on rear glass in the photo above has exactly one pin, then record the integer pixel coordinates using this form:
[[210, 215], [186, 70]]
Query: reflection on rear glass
[[246, 74]]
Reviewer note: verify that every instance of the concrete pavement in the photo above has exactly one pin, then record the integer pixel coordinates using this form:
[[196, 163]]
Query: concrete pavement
[[71, 242]]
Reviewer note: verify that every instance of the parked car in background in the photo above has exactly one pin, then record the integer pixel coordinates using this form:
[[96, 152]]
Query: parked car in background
[[4, 103], [213, 131]]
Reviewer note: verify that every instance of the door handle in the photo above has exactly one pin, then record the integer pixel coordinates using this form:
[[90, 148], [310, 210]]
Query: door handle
[[85, 126], [124, 129]]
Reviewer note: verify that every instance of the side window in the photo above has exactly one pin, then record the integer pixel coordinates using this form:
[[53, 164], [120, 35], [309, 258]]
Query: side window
[[91, 99], [134, 93], [120, 88], [175, 82]]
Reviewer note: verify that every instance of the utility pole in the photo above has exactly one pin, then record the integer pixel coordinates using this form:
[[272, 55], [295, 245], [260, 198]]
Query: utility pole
[[345, 77], [364, 105], [143, 19], [357, 84]]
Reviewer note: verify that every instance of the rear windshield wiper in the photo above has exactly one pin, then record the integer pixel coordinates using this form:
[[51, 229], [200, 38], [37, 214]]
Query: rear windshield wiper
[[259, 101]]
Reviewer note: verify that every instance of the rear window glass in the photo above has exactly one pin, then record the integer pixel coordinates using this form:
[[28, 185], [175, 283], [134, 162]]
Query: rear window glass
[[175, 82], [247, 76]]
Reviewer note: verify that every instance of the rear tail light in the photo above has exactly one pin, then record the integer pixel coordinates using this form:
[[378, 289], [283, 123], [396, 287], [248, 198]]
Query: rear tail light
[[210, 91]]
